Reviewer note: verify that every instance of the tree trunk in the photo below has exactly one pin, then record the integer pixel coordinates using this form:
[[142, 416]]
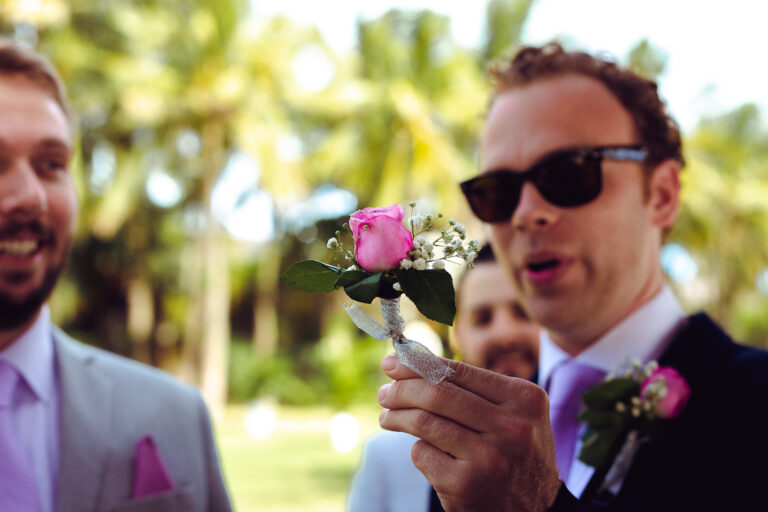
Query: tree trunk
[[214, 347], [265, 309]]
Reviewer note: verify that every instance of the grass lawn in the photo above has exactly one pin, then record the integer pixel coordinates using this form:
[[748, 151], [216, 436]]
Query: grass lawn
[[296, 467]]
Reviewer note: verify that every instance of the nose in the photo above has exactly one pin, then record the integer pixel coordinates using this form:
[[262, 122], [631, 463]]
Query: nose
[[22, 195], [533, 212]]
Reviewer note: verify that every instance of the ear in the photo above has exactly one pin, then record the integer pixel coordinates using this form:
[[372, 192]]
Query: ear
[[664, 193]]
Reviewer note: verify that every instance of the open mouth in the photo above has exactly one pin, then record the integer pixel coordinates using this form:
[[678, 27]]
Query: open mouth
[[543, 266]]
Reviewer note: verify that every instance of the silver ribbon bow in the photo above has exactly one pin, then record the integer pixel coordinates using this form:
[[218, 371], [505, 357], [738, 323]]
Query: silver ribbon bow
[[411, 353]]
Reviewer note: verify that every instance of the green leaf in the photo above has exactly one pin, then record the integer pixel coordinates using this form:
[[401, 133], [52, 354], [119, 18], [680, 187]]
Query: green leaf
[[311, 276], [599, 448], [432, 292], [601, 419], [606, 395], [349, 277], [366, 289]]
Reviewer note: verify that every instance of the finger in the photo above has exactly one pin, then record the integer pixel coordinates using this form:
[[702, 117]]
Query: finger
[[436, 465], [444, 399], [443, 434], [394, 370], [492, 386]]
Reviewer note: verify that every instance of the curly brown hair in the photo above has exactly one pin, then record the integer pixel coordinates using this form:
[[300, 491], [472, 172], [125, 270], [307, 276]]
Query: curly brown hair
[[16, 60], [657, 131]]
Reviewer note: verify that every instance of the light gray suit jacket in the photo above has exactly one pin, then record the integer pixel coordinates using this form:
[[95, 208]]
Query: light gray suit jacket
[[108, 403], [387, 480]]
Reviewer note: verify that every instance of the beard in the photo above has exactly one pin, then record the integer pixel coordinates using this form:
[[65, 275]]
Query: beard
[[515, 360], [14, 312]]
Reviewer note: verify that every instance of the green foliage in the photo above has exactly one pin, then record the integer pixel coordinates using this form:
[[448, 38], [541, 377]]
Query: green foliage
[[504, 20], [349, 277], [606, 426], [366, 289], [342, 368], [647, 60], [600, 446], [607, 394], [253, 376], [432, 292], [312, 276]]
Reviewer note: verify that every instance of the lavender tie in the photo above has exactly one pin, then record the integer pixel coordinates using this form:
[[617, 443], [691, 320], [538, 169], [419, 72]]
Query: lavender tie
[[17, 483], [568, 382]]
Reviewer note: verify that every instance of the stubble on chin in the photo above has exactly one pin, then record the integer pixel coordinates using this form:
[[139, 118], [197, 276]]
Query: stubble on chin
[[15, 312]]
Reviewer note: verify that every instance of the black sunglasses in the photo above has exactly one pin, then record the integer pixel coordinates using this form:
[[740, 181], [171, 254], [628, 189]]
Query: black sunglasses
[[566, 178]]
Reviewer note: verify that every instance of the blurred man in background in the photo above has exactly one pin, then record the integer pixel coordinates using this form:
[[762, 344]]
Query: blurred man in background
[[492, 331], [80, 429]]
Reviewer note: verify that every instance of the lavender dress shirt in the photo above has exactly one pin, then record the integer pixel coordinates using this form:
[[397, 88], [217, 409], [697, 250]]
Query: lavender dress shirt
[[36, 414]]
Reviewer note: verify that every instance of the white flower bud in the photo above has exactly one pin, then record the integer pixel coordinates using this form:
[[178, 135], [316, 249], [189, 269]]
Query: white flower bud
[[428, 246], [412, 204], [474, 245], [406, 264], [418, 223], [420, 264], [397, 287], [438, 265], [621, 407], [352, 267], [470, 257], [416, 254], [460, 229], [420, 240], [332, 243]]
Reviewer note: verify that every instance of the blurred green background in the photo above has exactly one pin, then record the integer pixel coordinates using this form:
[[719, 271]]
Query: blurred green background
[[215, 148]]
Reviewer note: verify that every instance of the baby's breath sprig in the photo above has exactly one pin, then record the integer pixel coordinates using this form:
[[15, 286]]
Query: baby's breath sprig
[[451, 241], [337, 245]]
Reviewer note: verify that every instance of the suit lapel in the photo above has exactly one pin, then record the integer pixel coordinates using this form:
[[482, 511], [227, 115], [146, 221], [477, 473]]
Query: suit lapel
[[85, 423], [696, 351]]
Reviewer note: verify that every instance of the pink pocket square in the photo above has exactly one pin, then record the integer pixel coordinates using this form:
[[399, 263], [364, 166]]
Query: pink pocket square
[[150, 475]]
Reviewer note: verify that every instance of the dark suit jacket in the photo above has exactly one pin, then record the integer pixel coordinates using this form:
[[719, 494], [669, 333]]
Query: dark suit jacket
[[715, 455]]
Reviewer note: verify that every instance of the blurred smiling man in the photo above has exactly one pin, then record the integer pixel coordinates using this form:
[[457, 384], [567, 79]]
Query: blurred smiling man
[[80, 429], [492, 330], [37, 199]]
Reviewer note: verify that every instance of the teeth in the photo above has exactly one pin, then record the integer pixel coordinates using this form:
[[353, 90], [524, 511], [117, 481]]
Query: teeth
[[18, 247]]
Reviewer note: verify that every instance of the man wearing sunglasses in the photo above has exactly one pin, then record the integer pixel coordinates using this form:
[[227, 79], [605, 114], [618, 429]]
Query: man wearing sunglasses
[[579, 184]]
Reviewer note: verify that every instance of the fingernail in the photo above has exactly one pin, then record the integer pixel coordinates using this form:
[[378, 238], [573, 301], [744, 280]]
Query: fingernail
[[383, 390], [389, 362]]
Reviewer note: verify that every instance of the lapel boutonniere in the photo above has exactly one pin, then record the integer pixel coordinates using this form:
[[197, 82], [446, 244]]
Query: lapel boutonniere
[[633, 405]]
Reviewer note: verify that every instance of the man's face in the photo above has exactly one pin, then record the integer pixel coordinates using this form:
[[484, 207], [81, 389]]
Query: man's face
[[600, 259], [492, 330], [37, 199]]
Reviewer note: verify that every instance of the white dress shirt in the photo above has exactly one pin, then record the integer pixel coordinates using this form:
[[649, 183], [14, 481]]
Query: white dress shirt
[[643, 335], [35, 414]]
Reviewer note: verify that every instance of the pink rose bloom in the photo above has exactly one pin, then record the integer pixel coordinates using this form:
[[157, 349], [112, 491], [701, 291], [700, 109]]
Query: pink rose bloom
[[677, 395], [381, 240]]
